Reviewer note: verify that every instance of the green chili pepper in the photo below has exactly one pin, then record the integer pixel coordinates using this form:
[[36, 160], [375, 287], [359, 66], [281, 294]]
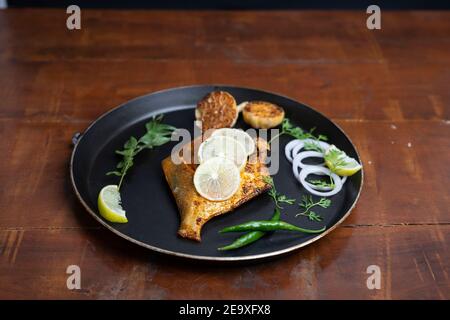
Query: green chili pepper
[[250, 237], [266, 225]]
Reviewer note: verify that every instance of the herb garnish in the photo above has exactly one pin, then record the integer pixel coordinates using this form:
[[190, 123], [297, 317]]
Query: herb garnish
[[288, 128], [313, 146], [336, 157], [307, 203], [157, 134], [322, 183], [275, 195]]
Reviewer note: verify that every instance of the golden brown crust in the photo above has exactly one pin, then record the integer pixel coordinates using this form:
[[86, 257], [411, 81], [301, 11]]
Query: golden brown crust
[[217, 109], [262, 114], [195, 210]]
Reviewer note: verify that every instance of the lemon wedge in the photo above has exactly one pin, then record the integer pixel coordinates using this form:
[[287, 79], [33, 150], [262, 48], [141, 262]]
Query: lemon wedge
[[109, 205], [340, 163], [239, 135], [217, 179], [223, 147]]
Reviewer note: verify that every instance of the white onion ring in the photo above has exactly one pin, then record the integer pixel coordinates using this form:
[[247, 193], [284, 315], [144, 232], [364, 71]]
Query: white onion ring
[[295, 146], [324, 145], [317, 187], [317, 170], [298, 147], [297, 163], [343, 179], [289, 147], [301, 171]]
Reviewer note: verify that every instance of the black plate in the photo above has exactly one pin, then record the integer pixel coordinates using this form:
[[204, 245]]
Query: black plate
[[151, 210]]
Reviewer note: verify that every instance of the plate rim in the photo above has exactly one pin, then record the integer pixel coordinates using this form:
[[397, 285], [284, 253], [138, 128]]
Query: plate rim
[[201, 257]]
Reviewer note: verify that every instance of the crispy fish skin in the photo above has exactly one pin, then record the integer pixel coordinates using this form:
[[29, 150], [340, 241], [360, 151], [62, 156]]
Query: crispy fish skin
[[195, 210]]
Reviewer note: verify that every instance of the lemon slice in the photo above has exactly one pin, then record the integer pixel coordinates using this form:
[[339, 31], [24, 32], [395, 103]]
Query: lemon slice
[[239, 135], [109, 204], [224, 147], [217, 179], [340, 163]]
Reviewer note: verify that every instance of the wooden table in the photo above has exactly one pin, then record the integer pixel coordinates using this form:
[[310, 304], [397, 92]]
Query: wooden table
[[388, 89]]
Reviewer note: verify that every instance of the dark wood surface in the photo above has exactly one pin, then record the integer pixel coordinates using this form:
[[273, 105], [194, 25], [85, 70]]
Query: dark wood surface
[[388, 89]]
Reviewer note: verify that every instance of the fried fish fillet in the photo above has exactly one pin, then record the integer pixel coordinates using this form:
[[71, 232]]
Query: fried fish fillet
[[195, 210]]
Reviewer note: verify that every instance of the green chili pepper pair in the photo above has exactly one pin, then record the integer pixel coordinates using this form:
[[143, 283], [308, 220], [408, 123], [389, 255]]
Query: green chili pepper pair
[[249, 237], [259, 229]]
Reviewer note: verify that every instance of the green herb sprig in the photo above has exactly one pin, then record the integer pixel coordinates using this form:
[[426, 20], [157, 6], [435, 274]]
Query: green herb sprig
[[336, 157], [313, 146], [288, 128], [275, 195], [308, 202], [322, 183], [157, 134]]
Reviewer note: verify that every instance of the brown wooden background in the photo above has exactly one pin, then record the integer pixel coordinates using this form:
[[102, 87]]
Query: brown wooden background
[[388, 89]]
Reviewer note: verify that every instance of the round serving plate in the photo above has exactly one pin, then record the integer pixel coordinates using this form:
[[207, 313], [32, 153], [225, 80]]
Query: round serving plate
[[151, 209]]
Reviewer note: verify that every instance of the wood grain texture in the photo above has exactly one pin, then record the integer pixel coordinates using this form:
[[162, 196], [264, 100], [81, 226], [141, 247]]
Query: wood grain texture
[[387, 89], [334, 267]]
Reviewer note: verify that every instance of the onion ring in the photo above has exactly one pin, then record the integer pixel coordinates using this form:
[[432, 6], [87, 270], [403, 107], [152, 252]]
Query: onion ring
[[317, 170], [299, 146], [297, 162], [289, 147], [295, 155], [321, 188]]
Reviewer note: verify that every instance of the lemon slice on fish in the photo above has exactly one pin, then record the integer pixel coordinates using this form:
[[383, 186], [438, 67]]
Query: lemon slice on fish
[[217, 179], [223, 147], [340, 163], [239, 135], [109, 205]]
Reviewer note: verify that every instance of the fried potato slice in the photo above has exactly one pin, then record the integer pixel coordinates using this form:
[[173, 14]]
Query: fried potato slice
[[217, 109], [262, 114]]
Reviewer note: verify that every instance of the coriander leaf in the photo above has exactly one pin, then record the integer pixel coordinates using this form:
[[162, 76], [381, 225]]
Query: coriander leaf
[[298, 133], [308, 202], [322, 183], [116, 173], [336, 157], [313, 146], [157, 134], [130, 144], [324, 203], [277, 197], [314, 217], [120, 165]]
